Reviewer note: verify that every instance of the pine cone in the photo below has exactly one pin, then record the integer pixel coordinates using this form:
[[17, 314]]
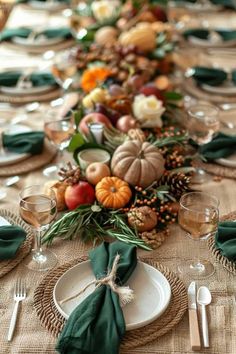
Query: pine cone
[[70, 175], [178, 183]]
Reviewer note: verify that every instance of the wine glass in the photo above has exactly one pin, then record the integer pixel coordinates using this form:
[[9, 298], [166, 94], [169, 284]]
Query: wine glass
[[64, 68], [38, 208], [198, 217], [202, 124], [59, 132]]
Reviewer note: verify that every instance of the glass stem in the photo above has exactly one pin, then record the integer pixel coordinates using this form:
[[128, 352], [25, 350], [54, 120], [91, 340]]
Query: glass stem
[[197, 265], [38, 248]]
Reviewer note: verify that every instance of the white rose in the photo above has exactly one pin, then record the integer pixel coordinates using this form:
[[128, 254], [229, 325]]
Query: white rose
[[148, 110], [104, 9]]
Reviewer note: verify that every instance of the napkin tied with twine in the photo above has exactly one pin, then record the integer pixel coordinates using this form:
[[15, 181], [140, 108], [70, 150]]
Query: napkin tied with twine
[[210, 76], [11, 238], [225, 239], [221, 146], [97, 325], [10, 79], [23, 32], [29, 142]]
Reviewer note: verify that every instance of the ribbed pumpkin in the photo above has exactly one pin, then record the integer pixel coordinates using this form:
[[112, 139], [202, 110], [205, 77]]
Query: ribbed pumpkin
[[112, 192], [138, 163]]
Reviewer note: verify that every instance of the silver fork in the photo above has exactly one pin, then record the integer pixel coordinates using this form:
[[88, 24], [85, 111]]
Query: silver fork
[[19, 295]]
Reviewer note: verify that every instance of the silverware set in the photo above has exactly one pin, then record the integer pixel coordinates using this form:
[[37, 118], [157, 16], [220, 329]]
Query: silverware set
[[202, 297]]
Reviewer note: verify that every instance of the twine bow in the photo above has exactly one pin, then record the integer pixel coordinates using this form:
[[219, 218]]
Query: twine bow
[[125, 294]]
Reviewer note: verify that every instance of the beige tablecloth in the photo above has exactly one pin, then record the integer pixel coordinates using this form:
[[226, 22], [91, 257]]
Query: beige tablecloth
[[31, 338]]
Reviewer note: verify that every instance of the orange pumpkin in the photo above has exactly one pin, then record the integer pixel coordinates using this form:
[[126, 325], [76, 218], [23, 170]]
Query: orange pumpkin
[[138, 163], [112, 192]]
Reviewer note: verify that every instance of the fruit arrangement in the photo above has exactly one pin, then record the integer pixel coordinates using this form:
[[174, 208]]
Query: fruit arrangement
[[126, 94]]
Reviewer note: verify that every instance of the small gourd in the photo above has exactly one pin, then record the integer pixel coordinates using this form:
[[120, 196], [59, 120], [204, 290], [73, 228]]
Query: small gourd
[[106, 34], [142, 36], [112, 192]]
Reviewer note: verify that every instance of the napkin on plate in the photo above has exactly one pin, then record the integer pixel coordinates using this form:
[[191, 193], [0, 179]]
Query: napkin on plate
[[9, 33], [221, 146], [11, 238], [225, 239], [10, 79], [200, 33], [210, 76], [97, 325], [29, 142], [56, 1]]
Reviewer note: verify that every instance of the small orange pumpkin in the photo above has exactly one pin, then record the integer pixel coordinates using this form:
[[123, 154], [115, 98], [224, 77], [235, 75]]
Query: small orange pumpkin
[[112, 192]]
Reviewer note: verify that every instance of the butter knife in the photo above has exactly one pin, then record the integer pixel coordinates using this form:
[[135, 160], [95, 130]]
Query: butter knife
[[193, 319]]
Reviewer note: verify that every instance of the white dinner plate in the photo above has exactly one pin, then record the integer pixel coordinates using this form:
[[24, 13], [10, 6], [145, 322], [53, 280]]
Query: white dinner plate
[[151, 289], [14, 90], [227, 89], [9, 158], [228, 162], [39, 41]]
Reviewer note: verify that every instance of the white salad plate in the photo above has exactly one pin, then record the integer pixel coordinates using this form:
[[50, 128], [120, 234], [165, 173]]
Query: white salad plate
[[210, 43], [14, 90], [49, 5], [227, 89], [228, 162], [8, 157], [152, 293], [39, 41]]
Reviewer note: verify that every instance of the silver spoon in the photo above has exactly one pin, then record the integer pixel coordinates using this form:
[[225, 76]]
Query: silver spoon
[[204, 299]]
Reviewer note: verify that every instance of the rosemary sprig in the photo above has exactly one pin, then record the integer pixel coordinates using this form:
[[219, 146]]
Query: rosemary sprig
[[92, 222]]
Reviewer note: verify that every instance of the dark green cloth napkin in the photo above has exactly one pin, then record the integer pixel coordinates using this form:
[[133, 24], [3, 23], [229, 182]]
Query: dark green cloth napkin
[[10, 78], [225, 239], [97, 325], [28, 1], [210, 76], [9, 33], [30, 142], [11, 237], [221, 146], [226, 3], [226, 35]]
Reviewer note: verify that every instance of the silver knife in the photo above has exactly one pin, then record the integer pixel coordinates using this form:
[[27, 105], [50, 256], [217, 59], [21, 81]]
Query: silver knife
[[193, 319]]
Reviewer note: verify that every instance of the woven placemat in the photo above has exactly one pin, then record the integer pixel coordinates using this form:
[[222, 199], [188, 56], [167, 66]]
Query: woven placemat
[[225, 262], [21, 99], [31, 163], [190, 87], [216, 169], [54, 322], [7, 265]]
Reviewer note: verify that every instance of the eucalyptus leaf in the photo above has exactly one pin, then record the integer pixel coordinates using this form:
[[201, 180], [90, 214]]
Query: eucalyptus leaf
[[173, 96]]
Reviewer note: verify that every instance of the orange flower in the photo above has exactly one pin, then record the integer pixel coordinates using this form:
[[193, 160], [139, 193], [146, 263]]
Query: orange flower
[[93, 77]]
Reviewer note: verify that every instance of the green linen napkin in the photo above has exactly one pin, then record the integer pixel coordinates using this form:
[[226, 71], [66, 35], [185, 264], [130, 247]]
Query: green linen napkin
[[9, 33], [221, 146], [97, 325], [30, 142], [10, 78], [226, 3], [11, 237], [210, 76], [225, 239], [226, 35], [26, 1]]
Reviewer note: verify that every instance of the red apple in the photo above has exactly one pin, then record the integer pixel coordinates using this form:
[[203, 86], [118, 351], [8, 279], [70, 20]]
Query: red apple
[[93, 117], [79, 194], [149, 90], [159, 13]]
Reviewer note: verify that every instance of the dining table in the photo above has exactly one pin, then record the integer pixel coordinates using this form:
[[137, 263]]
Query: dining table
[[31, 335]]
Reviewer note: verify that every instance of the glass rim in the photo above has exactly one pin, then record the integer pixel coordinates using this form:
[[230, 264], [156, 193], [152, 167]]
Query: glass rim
[[213, 197], [206, 105], [38, 186]]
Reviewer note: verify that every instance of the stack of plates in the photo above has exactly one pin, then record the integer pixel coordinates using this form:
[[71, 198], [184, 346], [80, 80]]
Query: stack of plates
[[151, 289]]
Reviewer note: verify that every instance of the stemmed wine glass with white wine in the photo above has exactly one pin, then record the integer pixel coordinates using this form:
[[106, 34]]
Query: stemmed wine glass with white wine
[[38, 208], [59, 133], [198, 217], [202, 124]]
